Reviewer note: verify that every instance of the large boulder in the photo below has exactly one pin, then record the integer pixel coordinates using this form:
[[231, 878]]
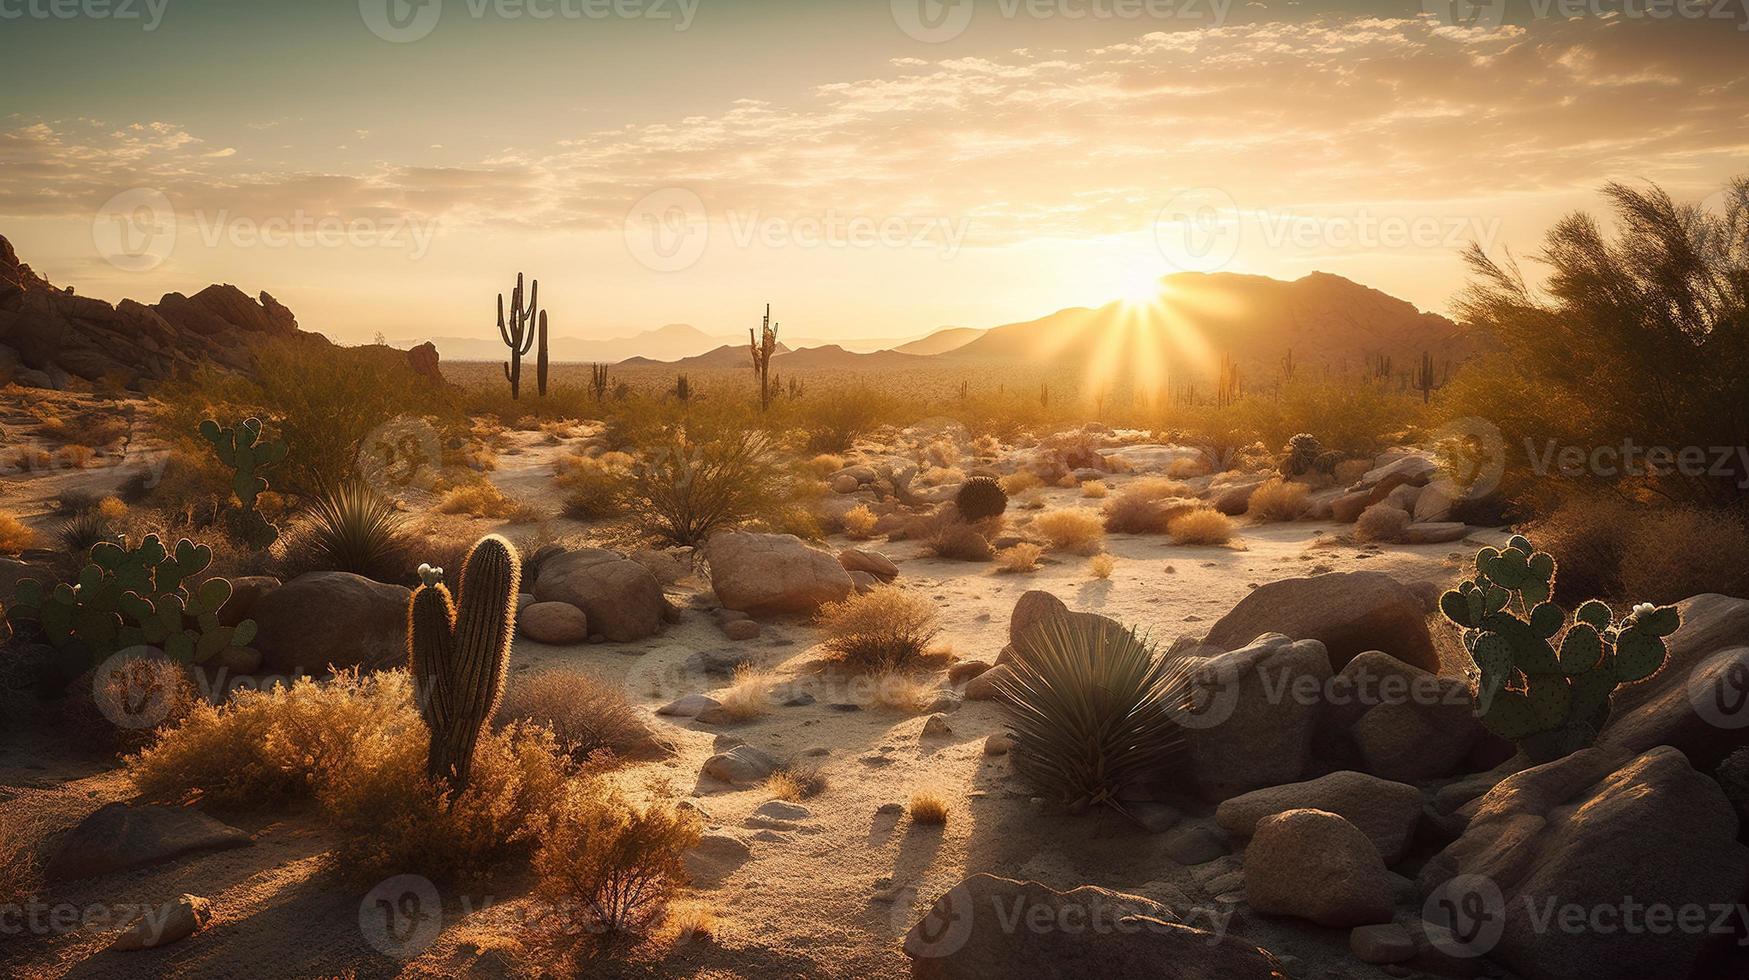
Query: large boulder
[[1254, 714], [1316, 866], [1349, 612], [331, 618], [997, 927], [620, 598], [1699, 702], [120, 836], [553, 622], [773, 573], [1406, 724], [1607, 839], [1386, 812]]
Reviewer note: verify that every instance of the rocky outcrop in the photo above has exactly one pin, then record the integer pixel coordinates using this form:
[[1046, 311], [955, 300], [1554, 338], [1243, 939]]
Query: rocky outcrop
[[1254, 713], [1384, 811], [1349, 612], [331, 618], [621, 600], [120, 836], [773, 573], [1316, 866]]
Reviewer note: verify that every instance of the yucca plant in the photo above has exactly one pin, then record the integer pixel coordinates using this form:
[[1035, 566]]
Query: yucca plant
[[85, 529], [353, 528], [1091, 709]]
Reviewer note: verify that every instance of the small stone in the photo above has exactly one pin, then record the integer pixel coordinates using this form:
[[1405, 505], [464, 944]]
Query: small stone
[[937, 727], [998, 744], [689, 706], [1387, 943], [741, 629], [175, 920]]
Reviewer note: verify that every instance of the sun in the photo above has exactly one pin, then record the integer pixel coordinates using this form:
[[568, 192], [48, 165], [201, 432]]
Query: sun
[[1140, 286]]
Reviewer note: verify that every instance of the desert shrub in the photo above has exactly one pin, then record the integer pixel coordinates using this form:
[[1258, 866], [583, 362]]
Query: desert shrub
[[15, 535], [980, 498], [611, 865], [897, 690], [1091, 710], [30, 459], [1021, 557], [1146, 505], [697, 485], [1278, 500], [859, 522], [937, 476], [1349, 471], [1186, 467], [1381, 522], [943, 453], [150, 693], [959, 542], [586, 713], [1669, 555], [833, 422], [351, 529], [594, 487], [1073, 529], [1102, 565], [748, 695], [1660, 316], [793, 784], [929, 808], [18, 870], [1095, 489], [886, 627], [1021, 481], [75, 457], [1585, 530], [114, 509], [88, 527], [1031, 499], [477, 498], [825, 464], [1201, 525]]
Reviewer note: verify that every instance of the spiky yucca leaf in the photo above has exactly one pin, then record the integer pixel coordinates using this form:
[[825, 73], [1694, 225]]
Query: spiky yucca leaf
[[355, 529], [1092, 709]]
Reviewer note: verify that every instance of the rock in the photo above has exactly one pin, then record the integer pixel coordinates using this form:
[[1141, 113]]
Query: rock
[[689, 706], [965, 670], [1386, 812], [1433, 533], [1346, 508], [936, 726], [1349, 612], [984, 687], [553, 622], [717, 855], [1407, 724], [331, 618], [741, 629], [1696, 702], [668, 566], [1256, 713], [998, 744], [782, 810], [621, 598], [424, 362], [174, 920], [1435, 502], [717, 663], [976, 931], [523, 601], [1316, 866], [845, 483], [1235, 500], [773, 573], [1387, 943], [1194, 844], [863, 582], [742, 765], [1595, 830], [246, 590], [872, 562], [120, 836]]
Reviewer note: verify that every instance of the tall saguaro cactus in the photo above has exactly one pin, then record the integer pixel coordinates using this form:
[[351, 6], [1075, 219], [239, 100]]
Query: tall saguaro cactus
[[540, 363], [1424, 382], [598, 381], [763, 348], [519, 334], [460, 656]]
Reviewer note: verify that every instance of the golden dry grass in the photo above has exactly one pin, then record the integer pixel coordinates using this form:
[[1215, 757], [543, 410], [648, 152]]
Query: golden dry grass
[[1101, 565], [1021, 481], [795, 785], [825, 464], [748, 696], [1095, 489], [1278, 500], [1022, 557], [904, 693], [929, 807], [859, 522], [885, 627], [18, 872], [15, 535], [1186, 467], [1203, 525], [481, 499], [693, 921], [1075, 529], [586, 713], [1381, 522]]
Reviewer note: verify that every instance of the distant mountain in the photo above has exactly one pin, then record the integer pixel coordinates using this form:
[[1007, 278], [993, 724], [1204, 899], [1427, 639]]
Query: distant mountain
[[665, 343], [835, 358], [1329, 323], [941, 341]]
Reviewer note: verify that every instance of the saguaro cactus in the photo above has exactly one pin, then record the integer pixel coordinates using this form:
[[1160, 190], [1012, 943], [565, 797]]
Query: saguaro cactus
[[763, 348], [519, 333], [242, 449], [459, 657], [598, 381], [540, 363], [1424, 382]]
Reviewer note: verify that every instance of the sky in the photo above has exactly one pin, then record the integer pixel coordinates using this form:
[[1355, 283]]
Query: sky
[[871, 169]]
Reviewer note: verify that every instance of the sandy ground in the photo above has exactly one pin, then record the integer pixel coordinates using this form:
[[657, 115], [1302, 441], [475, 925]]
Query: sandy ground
[[830, 897]]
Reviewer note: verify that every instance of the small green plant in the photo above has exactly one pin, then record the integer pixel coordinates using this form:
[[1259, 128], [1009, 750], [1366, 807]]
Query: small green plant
[[352, 528], [460, 658], [1091, 709], [981, 498], [1547, 682], [128, 597], [243, 450]]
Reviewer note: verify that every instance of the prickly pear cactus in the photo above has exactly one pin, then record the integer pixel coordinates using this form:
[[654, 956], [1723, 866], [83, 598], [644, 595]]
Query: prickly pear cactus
[[243, 450], [1545, 682], [127, 597]]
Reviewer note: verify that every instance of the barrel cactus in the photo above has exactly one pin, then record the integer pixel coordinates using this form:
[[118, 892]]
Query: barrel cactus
[[1546, 680], [1301, 454], [981, 498], [460, 655], [243, 450]]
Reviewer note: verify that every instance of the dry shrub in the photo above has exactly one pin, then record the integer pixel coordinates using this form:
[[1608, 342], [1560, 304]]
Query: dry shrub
[[1185, 467], [18, 870], [748, 696], [478, 499], [960, 542], [114, 509], [1074, 529], [612, 866], [883, 628], [1095, 489], [895, 690], [1670, 555], [1022, 557], [859, 522], [825, 464], [929, 807], [942, 453], [1030, 499], [1278, 500], [1021, 481], [75, 456], [586, 713], [1101, 565], [15, 535], [1381, 522], [793, 785], [693, 920], [701, 482], [937, 476], [151, 694], [1585, 535], [594, 486], [30, 459], [1201, 525], [1147, 506]]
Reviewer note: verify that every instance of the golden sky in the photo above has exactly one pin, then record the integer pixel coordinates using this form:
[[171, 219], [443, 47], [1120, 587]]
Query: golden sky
[[866, 181]]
